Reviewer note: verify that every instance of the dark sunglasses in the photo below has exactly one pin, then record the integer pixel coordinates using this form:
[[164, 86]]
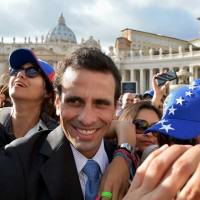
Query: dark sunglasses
[[30, 72], [141, 124]]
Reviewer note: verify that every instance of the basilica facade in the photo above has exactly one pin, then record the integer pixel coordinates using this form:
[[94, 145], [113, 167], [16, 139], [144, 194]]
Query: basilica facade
[[139, 55], [53, 47]]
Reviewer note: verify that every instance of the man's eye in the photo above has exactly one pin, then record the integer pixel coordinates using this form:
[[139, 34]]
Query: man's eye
[[74, 102], [102, 103]]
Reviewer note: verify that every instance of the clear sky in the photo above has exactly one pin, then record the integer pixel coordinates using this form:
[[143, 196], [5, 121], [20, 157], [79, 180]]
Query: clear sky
[[104, 19]]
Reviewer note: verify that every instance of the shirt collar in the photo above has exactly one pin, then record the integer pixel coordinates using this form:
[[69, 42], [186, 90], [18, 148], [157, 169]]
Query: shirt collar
[[100, 157], [39, 126]]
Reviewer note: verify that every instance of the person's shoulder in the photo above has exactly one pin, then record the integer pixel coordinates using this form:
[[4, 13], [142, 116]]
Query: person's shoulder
[[28, 142], [4, 113], [31, 145], [49, 121], [5, 110]]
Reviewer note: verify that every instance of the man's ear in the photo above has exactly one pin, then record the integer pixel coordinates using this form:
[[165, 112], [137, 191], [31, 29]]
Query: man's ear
[[57, 104]]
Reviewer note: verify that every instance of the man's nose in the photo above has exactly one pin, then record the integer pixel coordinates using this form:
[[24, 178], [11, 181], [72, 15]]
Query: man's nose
[[87, 115]]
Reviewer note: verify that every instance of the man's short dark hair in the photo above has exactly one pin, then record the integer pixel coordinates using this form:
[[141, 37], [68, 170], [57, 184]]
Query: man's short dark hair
[[94, 60]]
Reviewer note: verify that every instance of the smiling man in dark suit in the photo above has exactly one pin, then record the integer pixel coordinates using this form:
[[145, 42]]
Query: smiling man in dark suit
[[55, 165]]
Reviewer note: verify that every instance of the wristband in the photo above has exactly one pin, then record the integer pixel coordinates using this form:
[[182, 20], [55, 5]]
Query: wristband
[[131, 160]]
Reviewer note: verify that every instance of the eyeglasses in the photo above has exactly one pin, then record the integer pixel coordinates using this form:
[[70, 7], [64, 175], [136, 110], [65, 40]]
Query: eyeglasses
[[141, 124], [30, 72]]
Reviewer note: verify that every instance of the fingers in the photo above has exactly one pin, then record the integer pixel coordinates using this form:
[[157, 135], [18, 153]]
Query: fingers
[[119, 192], [167, 84], [120, 187], [160, 165], [179, 173], [106, 183], [164, 173], [191, 189], [154, 82], [140, 174], [115, 192], [106, 186], [123, 193], [115, 180]]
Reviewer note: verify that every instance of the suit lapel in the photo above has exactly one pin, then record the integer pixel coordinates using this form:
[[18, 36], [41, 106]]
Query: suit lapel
[[59, 171]]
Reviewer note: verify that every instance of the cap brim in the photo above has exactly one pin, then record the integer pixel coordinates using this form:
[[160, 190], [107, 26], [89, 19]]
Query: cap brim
[[20, 57], [180, 129]]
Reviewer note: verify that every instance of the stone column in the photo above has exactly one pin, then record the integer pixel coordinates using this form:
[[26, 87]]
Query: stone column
[[150, 77], [170, 51], [192, 76], [190, 49], [132, 75], [150, 53], [160, 53], [42, 39], [180, 50], [123, 75], [141, 81], [140, 53]]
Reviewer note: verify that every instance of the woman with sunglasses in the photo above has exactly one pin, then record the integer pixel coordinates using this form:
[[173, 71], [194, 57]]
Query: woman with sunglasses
[[142, 114], [32, 95], [172, 171]]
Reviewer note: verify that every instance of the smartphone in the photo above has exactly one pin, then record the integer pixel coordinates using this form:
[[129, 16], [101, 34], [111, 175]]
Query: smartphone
[[168, 76]]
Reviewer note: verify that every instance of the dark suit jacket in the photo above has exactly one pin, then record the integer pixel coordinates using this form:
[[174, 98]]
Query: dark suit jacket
[[41, 167]]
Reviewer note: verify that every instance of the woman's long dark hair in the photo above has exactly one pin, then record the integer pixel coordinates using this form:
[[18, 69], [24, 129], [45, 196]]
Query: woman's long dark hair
[[48, 102]]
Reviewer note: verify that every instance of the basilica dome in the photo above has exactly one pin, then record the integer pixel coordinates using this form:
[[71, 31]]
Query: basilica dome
[[61, 33]]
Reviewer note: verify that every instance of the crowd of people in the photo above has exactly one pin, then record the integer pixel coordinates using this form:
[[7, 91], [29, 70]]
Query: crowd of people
[[79, 138]]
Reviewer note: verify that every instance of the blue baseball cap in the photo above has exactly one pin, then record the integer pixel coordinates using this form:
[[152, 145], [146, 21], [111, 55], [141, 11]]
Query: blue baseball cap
[[149, 92], [22, 56], [196, 82], [181, 114]]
